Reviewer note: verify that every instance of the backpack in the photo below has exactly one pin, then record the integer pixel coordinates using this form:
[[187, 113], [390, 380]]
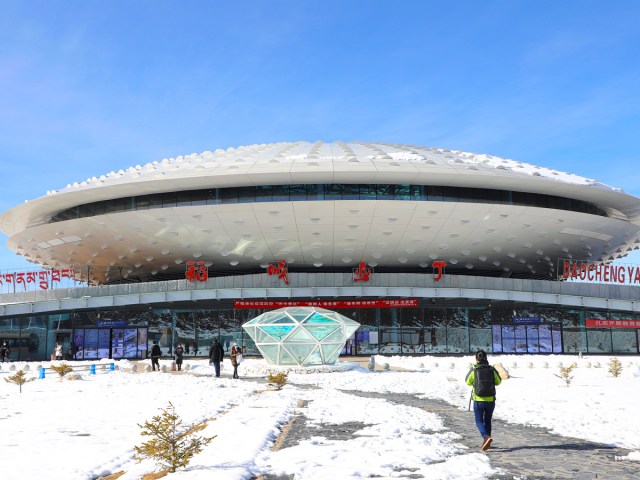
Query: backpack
[[484, 383]]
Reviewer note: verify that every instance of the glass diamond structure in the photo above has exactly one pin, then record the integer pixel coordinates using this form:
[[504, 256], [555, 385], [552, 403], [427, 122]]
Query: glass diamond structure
[[301, 336]]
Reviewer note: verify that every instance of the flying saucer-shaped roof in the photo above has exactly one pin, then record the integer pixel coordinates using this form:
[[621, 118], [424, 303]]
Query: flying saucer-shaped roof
[[471, 230]]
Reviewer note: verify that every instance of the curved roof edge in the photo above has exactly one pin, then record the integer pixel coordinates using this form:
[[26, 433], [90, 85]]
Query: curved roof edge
[[305, 162]]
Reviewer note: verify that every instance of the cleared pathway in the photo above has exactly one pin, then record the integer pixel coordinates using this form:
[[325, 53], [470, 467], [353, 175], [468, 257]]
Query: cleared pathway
[[522, 453]]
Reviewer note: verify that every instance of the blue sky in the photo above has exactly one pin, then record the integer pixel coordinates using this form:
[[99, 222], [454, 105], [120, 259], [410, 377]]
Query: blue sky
[[91, 86]]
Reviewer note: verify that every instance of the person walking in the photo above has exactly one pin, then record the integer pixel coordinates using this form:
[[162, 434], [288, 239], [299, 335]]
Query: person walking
[[484, 379], [5, 353], [236, 358], [155, 355], [179, 351], [216, 354]]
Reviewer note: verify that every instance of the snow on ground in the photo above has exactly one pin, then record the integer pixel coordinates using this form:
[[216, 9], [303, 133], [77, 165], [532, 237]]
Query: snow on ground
[[86, 428]]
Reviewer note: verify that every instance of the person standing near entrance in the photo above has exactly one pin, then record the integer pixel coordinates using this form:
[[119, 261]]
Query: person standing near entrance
[[216, 354], [155, 356], [179, 351], [484, 379], [58, 351], [236, 358]]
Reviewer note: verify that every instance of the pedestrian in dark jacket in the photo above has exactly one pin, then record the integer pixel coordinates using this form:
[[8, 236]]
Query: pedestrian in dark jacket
[[484, 379], [216, 354], [5, 353], [155, 356], [179, 351]]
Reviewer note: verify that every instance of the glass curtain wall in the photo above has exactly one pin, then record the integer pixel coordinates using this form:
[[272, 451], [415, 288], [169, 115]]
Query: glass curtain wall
[[26, 337], [434, 328], [623, 340], [185, 331], [574, 335], [458, 330], [161, 330], [480, 329], [390, 331], [60, 329], [412, 330]]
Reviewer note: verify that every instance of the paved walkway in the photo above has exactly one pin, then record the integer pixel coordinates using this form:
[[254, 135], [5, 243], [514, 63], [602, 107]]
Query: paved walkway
[[522, 453]]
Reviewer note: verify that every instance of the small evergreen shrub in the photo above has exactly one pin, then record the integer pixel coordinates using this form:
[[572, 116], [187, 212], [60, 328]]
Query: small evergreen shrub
[[565, 374], [277, 380], [19, 379], [615, 367], [171, 446], [62, 369]]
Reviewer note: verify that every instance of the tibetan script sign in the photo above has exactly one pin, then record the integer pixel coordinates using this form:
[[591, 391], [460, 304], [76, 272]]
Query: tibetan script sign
[[36, 280], [605, 323], [398, 303]]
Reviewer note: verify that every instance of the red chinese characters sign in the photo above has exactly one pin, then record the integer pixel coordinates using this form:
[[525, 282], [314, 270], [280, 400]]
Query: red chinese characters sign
[[438, 269], [36, 280], [279, 270], [332, 304], [362, 273], [196, 271], [606, 323]]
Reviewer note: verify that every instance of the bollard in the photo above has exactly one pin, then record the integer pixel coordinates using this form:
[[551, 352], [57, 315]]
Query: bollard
[[92, 370], [372, 363], [112, 367], [41, 376]]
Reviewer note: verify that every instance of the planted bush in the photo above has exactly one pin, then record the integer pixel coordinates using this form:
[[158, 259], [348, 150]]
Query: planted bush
[[171, 446], [62, 369], [565, 374], [277, 380], [615, 367], [19, 378]]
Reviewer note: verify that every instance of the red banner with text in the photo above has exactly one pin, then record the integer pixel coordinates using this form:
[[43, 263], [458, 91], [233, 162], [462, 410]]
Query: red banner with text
[[606, 323], [399, 303]]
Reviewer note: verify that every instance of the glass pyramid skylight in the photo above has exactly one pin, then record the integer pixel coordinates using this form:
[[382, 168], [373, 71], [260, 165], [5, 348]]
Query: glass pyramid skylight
[[300, 335]]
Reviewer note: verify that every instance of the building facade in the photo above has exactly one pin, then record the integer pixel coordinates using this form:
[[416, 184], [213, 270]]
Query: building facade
[[430, 250]]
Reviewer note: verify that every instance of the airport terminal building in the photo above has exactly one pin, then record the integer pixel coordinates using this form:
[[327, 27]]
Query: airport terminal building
[[431, 250]]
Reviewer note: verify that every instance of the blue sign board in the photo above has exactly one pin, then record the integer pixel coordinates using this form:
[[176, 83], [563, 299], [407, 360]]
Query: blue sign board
[[111, 323], [526, 320]]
